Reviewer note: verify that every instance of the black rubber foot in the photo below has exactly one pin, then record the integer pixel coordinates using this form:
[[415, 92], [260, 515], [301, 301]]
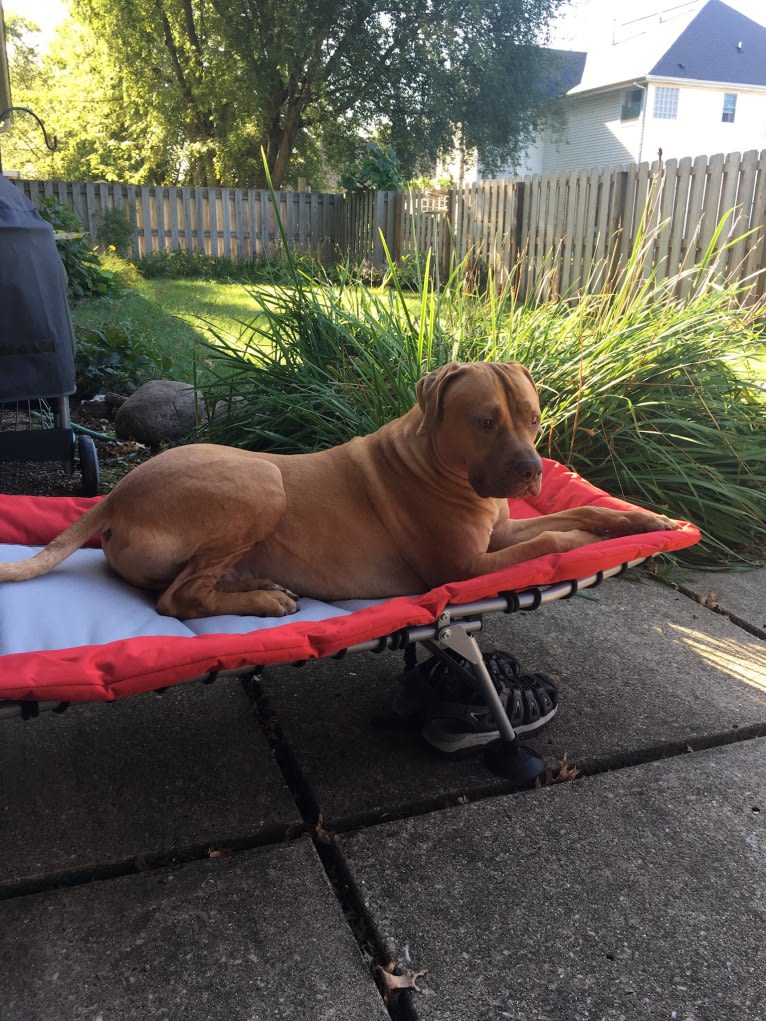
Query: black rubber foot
[[514, 761]]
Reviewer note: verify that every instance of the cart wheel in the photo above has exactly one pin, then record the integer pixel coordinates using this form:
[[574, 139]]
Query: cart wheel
[[86, 448]]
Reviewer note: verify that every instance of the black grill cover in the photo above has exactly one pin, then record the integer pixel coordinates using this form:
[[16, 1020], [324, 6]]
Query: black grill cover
[[36, 335]]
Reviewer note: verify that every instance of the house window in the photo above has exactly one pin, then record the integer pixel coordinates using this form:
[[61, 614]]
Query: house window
[[729, 107], [632, 101], [665, 104]]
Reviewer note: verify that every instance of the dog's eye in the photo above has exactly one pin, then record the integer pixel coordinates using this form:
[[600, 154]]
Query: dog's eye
[[486, 424], [535, 421]]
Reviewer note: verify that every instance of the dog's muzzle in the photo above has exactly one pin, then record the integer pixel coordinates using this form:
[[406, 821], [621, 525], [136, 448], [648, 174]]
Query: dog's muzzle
[[520, 476]]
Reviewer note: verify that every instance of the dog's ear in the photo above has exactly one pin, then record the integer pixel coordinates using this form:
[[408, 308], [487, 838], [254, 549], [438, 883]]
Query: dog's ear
[[527, 373], [430, 393], [512, 369]]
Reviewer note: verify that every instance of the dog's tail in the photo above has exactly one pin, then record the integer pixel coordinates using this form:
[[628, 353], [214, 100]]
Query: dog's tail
[[93, 522]]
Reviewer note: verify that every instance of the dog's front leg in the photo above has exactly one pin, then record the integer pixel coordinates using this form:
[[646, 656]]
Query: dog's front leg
[[539, 543], [598, 522], [514, 541]]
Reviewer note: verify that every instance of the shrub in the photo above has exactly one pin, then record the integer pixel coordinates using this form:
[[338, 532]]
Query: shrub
[[181, 264], [376, 170], [115, 231], [85, 274], [114, 358]]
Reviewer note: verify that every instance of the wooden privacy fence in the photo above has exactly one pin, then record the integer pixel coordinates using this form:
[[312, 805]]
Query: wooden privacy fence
[[236, 223], [553, 234], [562, 233]]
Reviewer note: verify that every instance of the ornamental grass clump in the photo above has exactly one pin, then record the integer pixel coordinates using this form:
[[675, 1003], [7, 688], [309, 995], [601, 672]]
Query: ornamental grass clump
[[657, 403], [319, 364], [648, 395]]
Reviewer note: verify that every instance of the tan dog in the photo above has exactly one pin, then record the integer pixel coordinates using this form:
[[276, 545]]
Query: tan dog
[[420, 502]]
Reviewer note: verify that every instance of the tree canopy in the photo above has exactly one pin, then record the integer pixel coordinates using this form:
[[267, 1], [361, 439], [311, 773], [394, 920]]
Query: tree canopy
[[193, 91]]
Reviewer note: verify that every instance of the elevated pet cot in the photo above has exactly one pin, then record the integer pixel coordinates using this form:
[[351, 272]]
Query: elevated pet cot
[[81, 634]]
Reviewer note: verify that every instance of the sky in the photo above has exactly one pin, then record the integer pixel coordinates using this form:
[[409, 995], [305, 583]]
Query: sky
[[586, 20], [45, 13], [574, 28]]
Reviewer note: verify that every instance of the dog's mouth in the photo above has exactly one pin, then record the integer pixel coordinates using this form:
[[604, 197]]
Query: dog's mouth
[[516, 488], [533, 487], [527, 487]]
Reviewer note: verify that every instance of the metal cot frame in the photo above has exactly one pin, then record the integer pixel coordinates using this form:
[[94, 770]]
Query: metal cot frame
[[454, 630]]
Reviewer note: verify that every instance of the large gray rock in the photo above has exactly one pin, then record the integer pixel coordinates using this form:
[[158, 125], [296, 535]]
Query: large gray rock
[[160, 411]]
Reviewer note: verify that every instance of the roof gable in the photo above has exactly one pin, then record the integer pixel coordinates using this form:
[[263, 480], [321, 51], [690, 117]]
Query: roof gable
[[562, 70], [719, 45], [682, 45]]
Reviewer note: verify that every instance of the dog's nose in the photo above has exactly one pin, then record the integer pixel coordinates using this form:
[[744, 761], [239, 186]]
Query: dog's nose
[[527, 467]]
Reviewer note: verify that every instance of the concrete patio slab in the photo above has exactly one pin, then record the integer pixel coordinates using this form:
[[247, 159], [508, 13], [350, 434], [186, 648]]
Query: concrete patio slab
[[633, 895], [740, 595], [255, 936], [643, 671], [148, 777]]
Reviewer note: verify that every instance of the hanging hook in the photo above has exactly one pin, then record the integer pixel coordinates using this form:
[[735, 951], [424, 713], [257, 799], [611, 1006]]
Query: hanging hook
[[51, 146]]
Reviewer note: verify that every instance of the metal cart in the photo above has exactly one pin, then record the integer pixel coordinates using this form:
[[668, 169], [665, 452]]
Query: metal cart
[[37, 368]]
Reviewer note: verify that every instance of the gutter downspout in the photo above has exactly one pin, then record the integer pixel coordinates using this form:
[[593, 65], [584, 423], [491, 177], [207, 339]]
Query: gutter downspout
[[645, 90]]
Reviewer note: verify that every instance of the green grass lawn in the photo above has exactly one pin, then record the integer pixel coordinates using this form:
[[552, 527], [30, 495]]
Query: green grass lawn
[[179, 317], [174, 316]]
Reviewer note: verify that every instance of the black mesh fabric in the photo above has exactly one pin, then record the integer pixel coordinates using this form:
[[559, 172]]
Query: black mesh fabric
[[36, 335]]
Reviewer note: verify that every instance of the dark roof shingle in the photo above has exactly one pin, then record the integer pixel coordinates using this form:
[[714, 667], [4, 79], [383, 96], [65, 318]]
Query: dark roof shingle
[[709, 49]]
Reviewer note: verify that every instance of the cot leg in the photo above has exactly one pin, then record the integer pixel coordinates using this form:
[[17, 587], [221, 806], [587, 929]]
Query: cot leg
[[507, 756]]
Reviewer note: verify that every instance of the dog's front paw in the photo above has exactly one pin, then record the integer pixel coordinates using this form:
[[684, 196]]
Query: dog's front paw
[[649, 522], [634, 522]]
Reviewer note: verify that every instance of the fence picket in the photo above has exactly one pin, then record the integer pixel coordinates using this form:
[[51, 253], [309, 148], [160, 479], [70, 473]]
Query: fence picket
[[744, 201], [756, 257], [665, 205], [678, 225]]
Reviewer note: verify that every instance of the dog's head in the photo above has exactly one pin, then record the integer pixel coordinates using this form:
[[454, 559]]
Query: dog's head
[[482, 419]]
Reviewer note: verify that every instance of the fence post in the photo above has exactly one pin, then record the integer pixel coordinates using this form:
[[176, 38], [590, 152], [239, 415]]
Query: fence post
[[448, 235], [379, 225], [616, 220], [519, 246], [396, 251]]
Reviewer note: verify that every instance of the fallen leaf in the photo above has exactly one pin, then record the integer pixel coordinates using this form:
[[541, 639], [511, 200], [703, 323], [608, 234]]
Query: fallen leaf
[[565, 773], [395, 984], [320, 833], [294, 830]]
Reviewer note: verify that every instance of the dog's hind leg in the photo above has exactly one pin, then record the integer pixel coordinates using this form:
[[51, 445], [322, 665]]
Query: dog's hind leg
[[206, 588]]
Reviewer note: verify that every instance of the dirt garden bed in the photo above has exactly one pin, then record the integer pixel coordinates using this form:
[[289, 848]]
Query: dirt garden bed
[[49, 478]]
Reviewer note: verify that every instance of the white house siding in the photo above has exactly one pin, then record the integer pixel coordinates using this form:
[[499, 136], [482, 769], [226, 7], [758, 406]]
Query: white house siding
[[594, 135], [699, 129], [532, 162]]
